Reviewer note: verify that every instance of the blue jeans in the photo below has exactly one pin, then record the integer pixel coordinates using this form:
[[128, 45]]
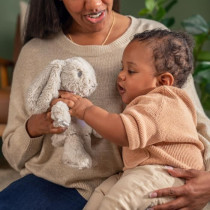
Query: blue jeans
[[34, 193]]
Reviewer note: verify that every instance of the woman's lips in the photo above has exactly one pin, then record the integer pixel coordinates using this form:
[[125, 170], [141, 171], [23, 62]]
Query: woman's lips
[[95, 17]]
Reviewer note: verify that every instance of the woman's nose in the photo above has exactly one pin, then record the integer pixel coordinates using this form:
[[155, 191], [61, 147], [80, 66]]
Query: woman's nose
[[93, 5]]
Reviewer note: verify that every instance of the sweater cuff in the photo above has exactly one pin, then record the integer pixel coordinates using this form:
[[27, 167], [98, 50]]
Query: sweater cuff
[[20, 147], [34, 143], [131, 131]]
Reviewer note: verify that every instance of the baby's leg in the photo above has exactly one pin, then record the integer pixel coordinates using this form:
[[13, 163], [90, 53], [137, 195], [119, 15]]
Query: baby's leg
[[132, 190], [99, 193]]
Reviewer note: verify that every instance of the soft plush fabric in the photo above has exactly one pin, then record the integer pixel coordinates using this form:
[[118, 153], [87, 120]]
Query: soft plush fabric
[[161, 129], [37, 155], [74, 75]]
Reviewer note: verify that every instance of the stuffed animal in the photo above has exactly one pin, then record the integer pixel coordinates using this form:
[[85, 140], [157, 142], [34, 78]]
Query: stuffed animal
[[75, 75]]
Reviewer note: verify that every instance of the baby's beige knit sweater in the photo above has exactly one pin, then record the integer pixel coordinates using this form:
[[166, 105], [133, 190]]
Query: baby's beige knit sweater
[[161, 129]]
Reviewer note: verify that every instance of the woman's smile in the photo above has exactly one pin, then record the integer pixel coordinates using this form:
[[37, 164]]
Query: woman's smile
[[95, 17]]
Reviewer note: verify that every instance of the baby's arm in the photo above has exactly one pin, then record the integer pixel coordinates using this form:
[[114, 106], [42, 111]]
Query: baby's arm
[[108, 125]]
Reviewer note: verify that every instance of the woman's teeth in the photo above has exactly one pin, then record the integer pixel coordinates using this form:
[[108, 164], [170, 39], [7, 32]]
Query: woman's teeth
[[95, 15]]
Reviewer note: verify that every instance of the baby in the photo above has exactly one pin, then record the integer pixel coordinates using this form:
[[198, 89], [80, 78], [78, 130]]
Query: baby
[[157, 127]]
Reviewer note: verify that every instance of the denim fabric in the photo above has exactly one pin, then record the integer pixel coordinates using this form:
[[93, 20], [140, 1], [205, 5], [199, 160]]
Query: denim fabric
[[34, 193]]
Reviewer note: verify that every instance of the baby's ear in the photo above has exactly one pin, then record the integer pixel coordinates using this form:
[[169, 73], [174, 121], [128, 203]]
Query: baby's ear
[[165, 79]]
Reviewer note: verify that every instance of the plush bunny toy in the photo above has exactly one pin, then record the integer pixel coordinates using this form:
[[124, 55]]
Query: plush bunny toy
[[75, 75]]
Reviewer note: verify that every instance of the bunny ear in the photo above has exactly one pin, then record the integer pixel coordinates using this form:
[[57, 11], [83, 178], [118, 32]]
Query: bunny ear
[[44, 88]]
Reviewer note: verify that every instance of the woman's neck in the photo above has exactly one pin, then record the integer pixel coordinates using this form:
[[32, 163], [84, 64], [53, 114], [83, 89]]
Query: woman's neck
[[118, 25]]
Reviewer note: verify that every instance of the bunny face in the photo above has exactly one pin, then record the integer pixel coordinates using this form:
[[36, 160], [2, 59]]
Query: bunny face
[[78, 76]]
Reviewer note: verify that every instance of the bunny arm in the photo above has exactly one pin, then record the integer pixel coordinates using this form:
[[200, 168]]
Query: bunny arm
[[60, 114]]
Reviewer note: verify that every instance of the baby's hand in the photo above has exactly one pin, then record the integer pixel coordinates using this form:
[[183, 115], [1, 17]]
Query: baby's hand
[[77, 104]]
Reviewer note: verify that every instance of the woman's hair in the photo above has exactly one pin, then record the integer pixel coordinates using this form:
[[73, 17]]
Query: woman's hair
[[172, 52], [47, 17]]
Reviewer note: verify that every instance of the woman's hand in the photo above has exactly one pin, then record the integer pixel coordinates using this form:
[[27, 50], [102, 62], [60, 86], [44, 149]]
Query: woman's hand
[[194, 195], [40, 124]]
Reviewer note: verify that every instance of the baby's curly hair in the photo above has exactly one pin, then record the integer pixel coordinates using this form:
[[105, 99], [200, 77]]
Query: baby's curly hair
[[172, 52]]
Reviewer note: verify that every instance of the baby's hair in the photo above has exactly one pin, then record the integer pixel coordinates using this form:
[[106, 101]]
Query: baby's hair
[[172, 52]]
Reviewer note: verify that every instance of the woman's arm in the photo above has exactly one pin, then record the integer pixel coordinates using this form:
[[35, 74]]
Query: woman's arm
[[17, 146], [23, 136], [108, 125]]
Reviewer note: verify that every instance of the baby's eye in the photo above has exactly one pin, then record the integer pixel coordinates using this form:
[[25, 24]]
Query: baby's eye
[[131, 72]]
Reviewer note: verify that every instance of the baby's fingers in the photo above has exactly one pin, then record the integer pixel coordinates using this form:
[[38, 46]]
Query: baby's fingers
[[176, 204], [69, 96], [54, 101], [70, 104]]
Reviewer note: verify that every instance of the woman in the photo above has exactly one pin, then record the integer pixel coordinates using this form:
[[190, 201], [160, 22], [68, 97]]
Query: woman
[[59, 30]]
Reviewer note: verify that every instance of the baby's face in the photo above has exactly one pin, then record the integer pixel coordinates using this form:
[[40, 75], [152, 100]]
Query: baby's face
[[138, 72]]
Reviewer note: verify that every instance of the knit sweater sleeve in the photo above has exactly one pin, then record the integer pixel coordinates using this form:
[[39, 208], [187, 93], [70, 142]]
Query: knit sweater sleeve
[[203, 122], [140, 119], [18, 147]]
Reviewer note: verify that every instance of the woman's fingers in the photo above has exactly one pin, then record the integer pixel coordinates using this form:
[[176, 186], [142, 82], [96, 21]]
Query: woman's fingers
[[171, 191], [179, 203], [193, 195], [57, 130], [41, 124], [183, 173], [175, 191]]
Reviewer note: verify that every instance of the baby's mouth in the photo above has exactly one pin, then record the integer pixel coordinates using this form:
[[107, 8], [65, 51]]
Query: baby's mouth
[[121, 89]]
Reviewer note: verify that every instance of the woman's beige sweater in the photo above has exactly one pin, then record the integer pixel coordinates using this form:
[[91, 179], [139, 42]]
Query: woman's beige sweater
[[37, 155]]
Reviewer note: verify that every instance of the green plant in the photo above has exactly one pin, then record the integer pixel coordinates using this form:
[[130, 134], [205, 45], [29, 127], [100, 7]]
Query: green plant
[[157, 10], [199, 28]]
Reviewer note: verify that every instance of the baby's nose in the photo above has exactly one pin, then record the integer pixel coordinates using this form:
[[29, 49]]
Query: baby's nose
[[121, 76]]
